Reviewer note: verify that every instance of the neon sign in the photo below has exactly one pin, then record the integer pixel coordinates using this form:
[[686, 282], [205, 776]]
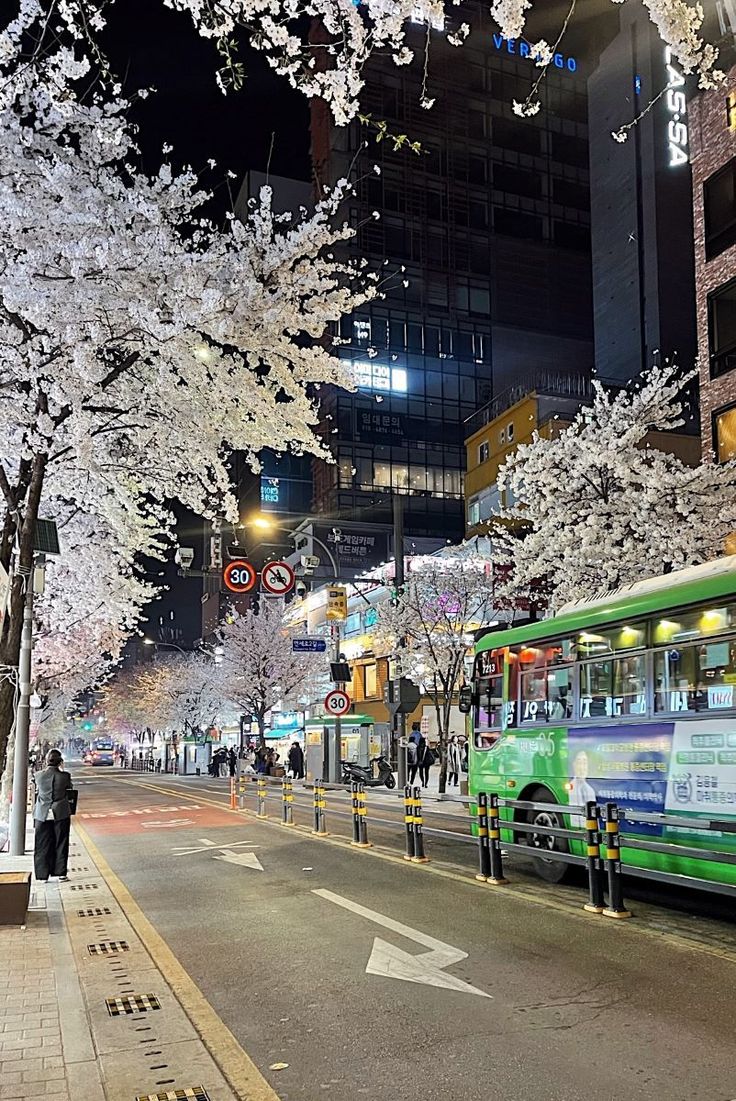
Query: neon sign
[[677, 110], [523, 49]]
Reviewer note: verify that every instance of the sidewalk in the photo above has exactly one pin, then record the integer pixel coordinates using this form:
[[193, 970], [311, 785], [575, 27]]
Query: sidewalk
[[74, 985]]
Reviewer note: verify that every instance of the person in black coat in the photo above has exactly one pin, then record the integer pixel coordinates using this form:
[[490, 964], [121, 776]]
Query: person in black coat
[[296, 761], [52, 819]]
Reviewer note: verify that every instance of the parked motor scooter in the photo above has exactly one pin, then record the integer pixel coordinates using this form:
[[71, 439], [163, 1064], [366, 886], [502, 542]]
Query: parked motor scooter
[[364, 775]]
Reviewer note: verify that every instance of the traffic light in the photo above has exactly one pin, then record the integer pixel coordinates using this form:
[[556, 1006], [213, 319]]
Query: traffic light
[[337, 603], [88, 725]]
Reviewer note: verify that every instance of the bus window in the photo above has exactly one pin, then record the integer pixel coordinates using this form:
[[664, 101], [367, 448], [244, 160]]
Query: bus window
[[545, 684], [613, 687], [683, 627], [695, 678], [488, 711], [608, 640]]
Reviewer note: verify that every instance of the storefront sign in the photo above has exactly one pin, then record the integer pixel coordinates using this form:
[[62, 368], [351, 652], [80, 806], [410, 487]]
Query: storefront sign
[[676, 106], [519, 48]]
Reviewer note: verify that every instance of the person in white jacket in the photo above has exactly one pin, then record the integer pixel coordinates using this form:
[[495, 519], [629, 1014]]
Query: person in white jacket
[[454, 760]]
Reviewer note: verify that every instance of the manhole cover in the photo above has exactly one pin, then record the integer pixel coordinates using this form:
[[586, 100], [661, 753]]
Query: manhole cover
[[95, 911], [84, 887], [196, 1093], [131, 1003], [108, 947]]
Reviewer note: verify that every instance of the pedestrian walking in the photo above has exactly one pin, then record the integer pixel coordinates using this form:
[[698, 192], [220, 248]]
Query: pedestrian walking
[[454, 761], [52, 819], [425, 759], [411, 758], [296, 761], [232, 761]]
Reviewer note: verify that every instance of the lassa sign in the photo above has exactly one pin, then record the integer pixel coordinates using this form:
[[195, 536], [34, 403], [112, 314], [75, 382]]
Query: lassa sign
[[676, 106]]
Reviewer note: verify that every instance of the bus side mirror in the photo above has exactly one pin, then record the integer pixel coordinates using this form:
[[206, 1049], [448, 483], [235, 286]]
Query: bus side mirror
[[465, 702]]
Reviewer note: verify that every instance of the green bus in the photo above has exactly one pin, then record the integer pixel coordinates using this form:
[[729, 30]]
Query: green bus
[[629, 697]]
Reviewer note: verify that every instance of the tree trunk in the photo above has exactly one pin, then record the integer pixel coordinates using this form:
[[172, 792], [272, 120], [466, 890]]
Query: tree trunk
[[261, 720], [10, 646]]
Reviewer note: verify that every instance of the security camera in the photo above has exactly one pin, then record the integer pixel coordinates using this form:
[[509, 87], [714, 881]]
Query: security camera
[[184, 557], [300, 588]]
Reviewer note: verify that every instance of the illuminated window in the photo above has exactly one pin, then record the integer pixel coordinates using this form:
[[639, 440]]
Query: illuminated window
[[371, 681], [613, 687], [724, 434], [681, 626], [379, 376], [626, 636], [483, 451], [695, 678]]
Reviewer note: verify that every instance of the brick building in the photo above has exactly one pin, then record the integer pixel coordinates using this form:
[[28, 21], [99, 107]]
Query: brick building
[[712, 122]]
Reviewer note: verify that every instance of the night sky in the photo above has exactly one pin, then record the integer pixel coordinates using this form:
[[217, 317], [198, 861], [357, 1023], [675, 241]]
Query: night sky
[[150, 46]]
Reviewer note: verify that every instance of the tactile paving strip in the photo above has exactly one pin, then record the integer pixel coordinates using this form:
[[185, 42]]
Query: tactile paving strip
[[84, 887], [195, 1093], [97, 911], [131, 1003], [108, 947]]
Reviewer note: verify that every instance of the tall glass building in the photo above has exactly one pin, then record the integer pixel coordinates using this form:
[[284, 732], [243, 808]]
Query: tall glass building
[[487, 236]]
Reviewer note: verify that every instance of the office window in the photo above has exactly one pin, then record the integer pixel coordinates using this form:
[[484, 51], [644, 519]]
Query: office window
[[719, 201], [510, 432], [515, 224], [483, 451], [722, 329], [724, 434], [473, 511]]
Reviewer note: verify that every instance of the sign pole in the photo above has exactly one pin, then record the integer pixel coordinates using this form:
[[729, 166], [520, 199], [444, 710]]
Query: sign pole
[[337, 748], [400, 717]]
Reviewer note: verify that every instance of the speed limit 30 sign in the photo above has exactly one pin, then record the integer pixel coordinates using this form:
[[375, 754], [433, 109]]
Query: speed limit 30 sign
[[239, 576], [337, 702]]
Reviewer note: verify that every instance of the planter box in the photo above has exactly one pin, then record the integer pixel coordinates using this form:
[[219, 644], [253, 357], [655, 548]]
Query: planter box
[[15, 894]]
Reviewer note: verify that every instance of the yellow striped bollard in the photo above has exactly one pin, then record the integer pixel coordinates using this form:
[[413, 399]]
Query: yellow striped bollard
[[595, 903], [409, 822], [362, 813], [261, 792], [420, 857], [494, 843], [287, 803], [320, 804], [484, 852], [615, 908]]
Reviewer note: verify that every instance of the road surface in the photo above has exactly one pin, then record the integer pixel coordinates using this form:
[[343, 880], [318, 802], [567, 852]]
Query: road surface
[[372, 977]]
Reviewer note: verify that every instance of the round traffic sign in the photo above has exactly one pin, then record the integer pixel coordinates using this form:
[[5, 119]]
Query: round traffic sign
[[239, 576], [337, 702], [277, 578]]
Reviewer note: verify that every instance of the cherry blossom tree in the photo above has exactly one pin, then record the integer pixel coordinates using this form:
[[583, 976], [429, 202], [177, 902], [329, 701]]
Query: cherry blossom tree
[[599, 507], [428, 627], [139, 345], [176, 692], [260, 670], [323, 46]]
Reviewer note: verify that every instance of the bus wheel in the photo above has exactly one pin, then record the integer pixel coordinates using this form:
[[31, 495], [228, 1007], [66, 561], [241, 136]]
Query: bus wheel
[[546, 867]]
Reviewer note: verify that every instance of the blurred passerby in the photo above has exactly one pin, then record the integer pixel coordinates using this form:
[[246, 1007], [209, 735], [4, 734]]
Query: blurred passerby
[[51, 819], [411, 758], [296, 761], [454, 761], [232, 761], [425, 759]]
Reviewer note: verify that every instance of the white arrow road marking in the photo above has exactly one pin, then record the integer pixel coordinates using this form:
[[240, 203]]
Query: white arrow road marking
[[392, 962], [246, 860], [206, 845]]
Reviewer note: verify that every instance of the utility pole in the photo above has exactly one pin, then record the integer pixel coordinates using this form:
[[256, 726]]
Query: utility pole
[[22, 724], [336, 754], [400, 717]]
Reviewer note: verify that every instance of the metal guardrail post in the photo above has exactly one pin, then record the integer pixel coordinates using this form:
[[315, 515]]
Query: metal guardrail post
[[615, 908], [595, 903], [356, 820], [287, 803], [361, 812], [409, 822], [320, 804], [496, 877], [233, 803], [241, 791], [420, 857], [484, 852], [261, 812]]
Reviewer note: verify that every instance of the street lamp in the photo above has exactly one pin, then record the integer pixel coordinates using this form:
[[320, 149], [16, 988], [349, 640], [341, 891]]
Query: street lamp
[[264, 523]]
